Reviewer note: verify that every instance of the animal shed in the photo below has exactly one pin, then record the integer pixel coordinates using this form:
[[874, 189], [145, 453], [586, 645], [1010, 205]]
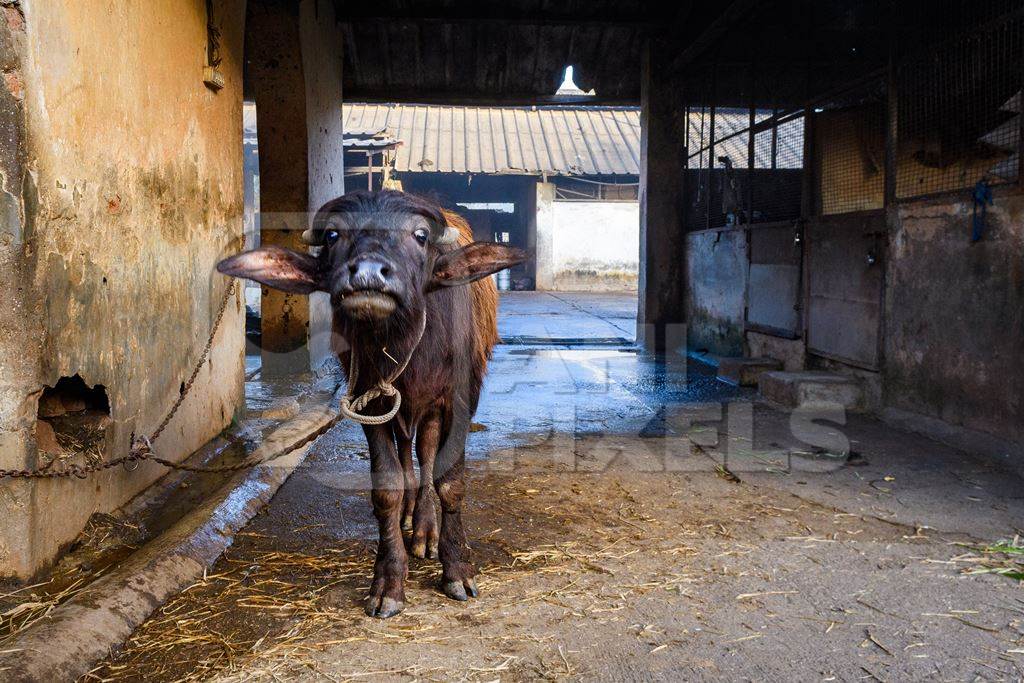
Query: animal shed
[[834, 185]]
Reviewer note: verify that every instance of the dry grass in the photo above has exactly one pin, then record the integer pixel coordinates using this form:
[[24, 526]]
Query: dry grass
[[274, 614], [293, 588], [103, 541], [1005, 558]]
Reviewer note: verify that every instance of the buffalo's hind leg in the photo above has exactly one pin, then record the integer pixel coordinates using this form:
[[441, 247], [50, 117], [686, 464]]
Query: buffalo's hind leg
[[409, 475], [387, 592], [449, 477], [425, 534]]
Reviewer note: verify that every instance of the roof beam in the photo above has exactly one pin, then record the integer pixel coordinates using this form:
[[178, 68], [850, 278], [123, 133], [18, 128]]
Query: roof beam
[[702, 36], [366, 13], [388, 95]]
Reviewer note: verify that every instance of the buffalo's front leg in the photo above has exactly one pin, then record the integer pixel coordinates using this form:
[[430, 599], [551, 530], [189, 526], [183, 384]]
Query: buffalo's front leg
[[387, 593], [456, 571]]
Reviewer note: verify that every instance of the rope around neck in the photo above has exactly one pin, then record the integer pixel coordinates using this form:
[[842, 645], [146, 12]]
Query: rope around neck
[[351, 405]]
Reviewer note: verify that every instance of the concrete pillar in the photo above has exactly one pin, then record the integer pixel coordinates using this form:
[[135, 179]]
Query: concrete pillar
[[322, 63], [662, 287], [294, 60], [545, 257]]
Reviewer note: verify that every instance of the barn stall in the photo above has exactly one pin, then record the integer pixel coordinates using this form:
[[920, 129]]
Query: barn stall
[[829, 211]]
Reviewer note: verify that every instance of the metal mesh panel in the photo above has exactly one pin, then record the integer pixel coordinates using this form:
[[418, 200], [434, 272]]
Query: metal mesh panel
[[698, 122], [729, 175], [959, 116], [850, 149], [727, 185], [778, 168]]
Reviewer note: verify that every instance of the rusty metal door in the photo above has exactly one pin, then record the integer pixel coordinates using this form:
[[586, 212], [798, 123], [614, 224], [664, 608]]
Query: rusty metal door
[[774, 282], [846, 274]]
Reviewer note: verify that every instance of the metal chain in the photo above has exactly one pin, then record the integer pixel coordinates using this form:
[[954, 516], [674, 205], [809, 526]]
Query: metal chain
[[141, 448]]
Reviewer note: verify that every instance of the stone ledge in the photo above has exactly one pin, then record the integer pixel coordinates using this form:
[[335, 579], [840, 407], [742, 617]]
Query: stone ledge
[[745, 372], [794, 389]]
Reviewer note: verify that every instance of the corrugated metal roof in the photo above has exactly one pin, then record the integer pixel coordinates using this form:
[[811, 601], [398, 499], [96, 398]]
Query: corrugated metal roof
[[518, 140], [376, 140], [564, 140]]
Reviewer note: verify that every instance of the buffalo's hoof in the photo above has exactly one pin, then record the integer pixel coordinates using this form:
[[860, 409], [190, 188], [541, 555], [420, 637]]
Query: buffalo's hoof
[[382, 607], [460, 590], [423, 548]]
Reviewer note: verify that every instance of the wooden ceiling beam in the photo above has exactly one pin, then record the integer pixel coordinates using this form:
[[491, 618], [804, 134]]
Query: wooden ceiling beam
[[367, 13], [702, 34], [382, 95]]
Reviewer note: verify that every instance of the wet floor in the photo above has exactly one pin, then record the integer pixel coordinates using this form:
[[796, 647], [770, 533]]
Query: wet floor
[[633, 519]]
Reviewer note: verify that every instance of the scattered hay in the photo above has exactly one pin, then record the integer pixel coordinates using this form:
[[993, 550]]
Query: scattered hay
[[104, 541], [1005, 557], [35, 605]]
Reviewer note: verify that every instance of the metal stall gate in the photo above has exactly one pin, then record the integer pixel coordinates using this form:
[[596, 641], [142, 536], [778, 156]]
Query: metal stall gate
[[745, 172], [846, 236]]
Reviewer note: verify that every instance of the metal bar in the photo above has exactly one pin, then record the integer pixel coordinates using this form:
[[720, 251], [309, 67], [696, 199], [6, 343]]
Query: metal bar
[[711, 169], [1020, 125], [750, 164], [376, 16], [775, 142], [891, 128]]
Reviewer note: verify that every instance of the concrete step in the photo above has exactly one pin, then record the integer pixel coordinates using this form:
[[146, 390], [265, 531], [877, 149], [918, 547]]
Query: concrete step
[[793, 389], [745, 372]]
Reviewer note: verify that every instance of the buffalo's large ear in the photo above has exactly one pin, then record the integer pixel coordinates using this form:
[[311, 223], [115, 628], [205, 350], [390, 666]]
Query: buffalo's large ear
[[284, 269], [473, 262]]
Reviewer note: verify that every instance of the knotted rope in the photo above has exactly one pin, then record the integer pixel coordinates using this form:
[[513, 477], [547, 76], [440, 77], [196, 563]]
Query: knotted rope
[[351, 404]]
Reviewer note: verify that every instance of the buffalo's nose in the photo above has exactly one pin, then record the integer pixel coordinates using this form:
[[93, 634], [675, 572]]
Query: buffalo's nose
[[368, 274]]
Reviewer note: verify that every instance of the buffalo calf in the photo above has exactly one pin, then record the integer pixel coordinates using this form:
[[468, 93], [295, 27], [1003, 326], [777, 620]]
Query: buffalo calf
[[394, 265]]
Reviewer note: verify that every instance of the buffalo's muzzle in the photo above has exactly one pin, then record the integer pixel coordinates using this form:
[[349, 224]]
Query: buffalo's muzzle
[[368, 304]]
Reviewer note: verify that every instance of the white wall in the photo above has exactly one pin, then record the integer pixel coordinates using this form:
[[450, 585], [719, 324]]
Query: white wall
[[595, 245]]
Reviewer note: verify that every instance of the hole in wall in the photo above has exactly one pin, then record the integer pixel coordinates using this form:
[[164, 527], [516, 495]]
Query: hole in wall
[[72, 420], [569, 87]]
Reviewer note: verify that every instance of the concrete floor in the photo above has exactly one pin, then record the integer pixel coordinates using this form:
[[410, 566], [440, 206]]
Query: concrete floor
[[568, 316], [633, 520]]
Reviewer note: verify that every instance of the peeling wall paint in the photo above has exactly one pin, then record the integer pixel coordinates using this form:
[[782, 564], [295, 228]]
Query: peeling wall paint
[[717, 268], [137, 177], [954, 315]]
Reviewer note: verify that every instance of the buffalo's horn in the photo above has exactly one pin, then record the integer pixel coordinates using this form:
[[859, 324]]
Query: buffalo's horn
[[449, 236]]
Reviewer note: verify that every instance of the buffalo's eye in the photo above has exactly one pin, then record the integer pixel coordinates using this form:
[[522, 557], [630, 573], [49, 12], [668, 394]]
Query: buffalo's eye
[[331, 236], [421, 235]]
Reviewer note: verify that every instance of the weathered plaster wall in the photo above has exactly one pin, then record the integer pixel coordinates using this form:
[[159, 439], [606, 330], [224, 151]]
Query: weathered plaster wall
[[20, 319], [135, 172], [954, 315], [716, 263], [595, 245]]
